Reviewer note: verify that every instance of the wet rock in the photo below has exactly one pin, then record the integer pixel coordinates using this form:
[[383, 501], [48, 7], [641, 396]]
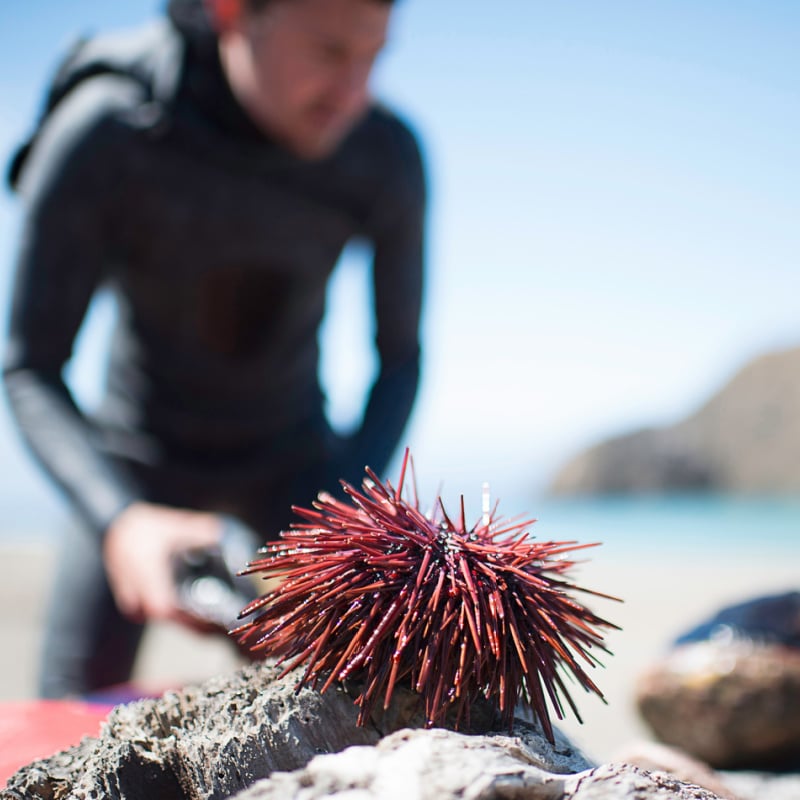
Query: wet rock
[[730, 702], [442, 765]]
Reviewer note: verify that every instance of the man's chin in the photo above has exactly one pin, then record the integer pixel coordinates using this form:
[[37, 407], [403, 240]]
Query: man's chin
[[318, 145], [321, 138], [314, 149]]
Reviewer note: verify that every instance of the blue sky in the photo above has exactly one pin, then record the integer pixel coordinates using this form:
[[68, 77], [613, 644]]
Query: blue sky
[[613, 221]]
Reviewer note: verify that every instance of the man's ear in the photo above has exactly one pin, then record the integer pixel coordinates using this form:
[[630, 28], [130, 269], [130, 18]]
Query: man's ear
[[223, 13]]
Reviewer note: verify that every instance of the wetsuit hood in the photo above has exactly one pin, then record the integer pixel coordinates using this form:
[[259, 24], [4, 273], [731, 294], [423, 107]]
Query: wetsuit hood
[[190, 18], [205, 82]]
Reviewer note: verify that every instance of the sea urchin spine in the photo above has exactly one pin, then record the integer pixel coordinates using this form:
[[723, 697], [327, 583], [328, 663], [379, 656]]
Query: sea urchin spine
[[376, 590]]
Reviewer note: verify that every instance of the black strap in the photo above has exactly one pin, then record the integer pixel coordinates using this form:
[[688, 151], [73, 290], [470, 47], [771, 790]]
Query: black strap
[[156, 68]]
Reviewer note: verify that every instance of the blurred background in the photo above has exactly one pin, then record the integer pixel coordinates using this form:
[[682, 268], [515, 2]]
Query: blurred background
[[613, 223]]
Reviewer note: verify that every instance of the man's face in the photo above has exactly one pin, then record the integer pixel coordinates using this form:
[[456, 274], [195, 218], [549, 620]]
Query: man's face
[[302, 68]]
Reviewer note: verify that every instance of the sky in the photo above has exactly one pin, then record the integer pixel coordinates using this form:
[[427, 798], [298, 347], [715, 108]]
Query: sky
[[612, 223]]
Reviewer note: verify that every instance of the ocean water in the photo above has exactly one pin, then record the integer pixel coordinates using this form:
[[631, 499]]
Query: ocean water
[[698, 525], [635, 526], [730, 527]]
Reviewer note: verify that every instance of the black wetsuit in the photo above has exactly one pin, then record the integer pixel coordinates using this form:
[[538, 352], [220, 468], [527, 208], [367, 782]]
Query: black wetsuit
[[217, 244]]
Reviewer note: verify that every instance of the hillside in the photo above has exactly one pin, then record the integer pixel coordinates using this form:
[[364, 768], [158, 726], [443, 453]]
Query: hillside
[[744, 439]]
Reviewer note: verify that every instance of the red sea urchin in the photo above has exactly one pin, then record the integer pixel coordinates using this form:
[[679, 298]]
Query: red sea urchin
[[377, 591]]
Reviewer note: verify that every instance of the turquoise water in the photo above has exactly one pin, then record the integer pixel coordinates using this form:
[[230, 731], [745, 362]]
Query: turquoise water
[[635, 526], [648, 525]]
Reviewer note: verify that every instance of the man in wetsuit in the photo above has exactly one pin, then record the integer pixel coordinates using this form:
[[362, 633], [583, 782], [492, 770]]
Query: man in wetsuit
[[215, 215]]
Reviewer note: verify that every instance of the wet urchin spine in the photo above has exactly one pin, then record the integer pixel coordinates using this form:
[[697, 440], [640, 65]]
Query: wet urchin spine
[[375, 590]]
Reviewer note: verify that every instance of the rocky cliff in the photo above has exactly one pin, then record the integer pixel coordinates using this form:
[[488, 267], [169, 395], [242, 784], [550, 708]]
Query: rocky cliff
[[744, 439]]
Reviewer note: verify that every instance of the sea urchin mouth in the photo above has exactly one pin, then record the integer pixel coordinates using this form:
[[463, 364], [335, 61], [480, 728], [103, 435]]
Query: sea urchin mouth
[[377, 591]]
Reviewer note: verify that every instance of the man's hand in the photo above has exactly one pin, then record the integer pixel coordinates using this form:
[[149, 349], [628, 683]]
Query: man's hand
[[139, 550]]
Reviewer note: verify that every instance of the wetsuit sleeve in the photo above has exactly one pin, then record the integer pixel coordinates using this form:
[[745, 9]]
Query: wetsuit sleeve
[[398, 271], [68, 186]]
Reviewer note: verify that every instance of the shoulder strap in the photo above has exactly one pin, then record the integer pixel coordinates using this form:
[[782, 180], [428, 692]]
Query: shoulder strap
[[153, 57]]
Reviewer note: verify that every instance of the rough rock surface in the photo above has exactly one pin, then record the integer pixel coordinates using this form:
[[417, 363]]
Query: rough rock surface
[[652, 756], [733, 704], [744, 439], [737, 785], [442, 765], [251, 735], [213, 740], [202, 742]]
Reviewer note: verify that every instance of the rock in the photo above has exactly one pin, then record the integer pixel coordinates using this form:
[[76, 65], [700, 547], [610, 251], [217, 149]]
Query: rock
[[207, 741], [252, 734], [744, 439], [213, 740], [738, 785], [442, 765], [652, 756], [732, 703], [775, 618], [616, 781]]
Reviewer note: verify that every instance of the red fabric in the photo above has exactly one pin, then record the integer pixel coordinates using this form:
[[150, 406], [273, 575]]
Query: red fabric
[[34, 729]]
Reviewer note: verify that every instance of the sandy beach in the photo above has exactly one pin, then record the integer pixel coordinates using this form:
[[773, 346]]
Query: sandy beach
[[662, 598]]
